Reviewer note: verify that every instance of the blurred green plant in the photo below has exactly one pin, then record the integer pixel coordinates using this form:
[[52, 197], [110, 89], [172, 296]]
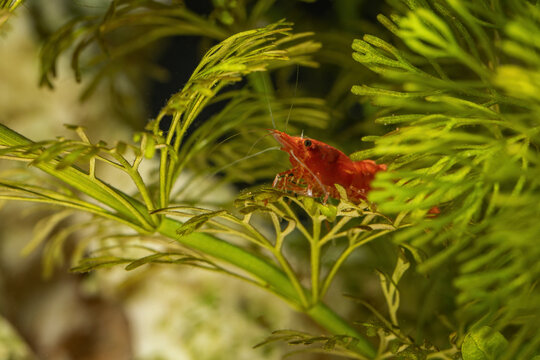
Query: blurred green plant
[[459, 92], [7, 7], [124, 32], [458, 87]]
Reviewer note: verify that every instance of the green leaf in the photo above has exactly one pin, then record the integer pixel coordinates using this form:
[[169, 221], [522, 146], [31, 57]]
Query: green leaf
[[253, 208], [170, 258], [43, 229], [259, 196], [197, 221], [89, 264], [145, 260], [331, 344], [329, 211], [483, 344]]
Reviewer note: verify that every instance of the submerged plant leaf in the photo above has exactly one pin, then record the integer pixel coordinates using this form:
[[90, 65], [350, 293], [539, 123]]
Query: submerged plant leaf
[[43, 229], [166, 258], [467, 113], [331, 344], [196, 222], [483, 344], [89, 264]]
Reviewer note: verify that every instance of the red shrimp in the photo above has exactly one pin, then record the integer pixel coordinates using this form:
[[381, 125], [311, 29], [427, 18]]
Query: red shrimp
[[317, 167]]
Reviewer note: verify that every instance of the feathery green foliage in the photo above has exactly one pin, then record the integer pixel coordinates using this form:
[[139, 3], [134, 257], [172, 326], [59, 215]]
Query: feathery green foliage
[[458, 89], [125, 31], [7, 7]]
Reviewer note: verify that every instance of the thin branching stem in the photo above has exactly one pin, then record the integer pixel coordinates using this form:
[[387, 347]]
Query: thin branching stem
[[139, 183], [292, 214], [315, 252], [333, 233], [81, 206], [344, 255], [285, 265]]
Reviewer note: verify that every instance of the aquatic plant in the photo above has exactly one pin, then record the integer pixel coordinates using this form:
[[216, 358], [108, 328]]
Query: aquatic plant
[[456, 89]]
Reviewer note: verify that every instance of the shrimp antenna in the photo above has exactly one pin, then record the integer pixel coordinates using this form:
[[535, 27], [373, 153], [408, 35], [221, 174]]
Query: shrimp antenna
[[255, 143], [268, 103], [218, 144], [294, 97], [302, 134], [244, 158]]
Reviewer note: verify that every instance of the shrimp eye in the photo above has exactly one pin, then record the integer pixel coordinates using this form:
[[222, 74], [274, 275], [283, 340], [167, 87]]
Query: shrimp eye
[[307, 143]]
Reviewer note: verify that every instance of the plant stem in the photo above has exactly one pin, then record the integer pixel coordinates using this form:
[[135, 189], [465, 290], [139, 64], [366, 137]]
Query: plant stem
[[139, 183], [258, 267], [268, 273], [330, 235], [285, 264], [315, 255], [127, 207], [344, 255], [333, 271]]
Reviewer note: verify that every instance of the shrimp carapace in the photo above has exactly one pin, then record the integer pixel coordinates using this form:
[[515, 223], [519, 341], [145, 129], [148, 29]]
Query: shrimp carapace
[[317, 167]]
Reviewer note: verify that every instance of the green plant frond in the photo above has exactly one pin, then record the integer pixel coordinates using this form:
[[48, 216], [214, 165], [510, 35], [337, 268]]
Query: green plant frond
[[89, 264], [235, 57], [126, 210], [105, 246], [106, 249], [14, 190], [235, 142], [390, 289], [71, 151], [68, 152], [226, 63], [344, 219], [54, 249], [7, 7], [336, 345], [27, 192], [127, 28], [393, 341], [197, 221], [463, 89], [43, 229], [10, 5], [106, 261], [284, 211]]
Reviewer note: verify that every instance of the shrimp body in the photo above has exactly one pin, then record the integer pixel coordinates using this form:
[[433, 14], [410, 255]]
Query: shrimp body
[[317, 167]]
